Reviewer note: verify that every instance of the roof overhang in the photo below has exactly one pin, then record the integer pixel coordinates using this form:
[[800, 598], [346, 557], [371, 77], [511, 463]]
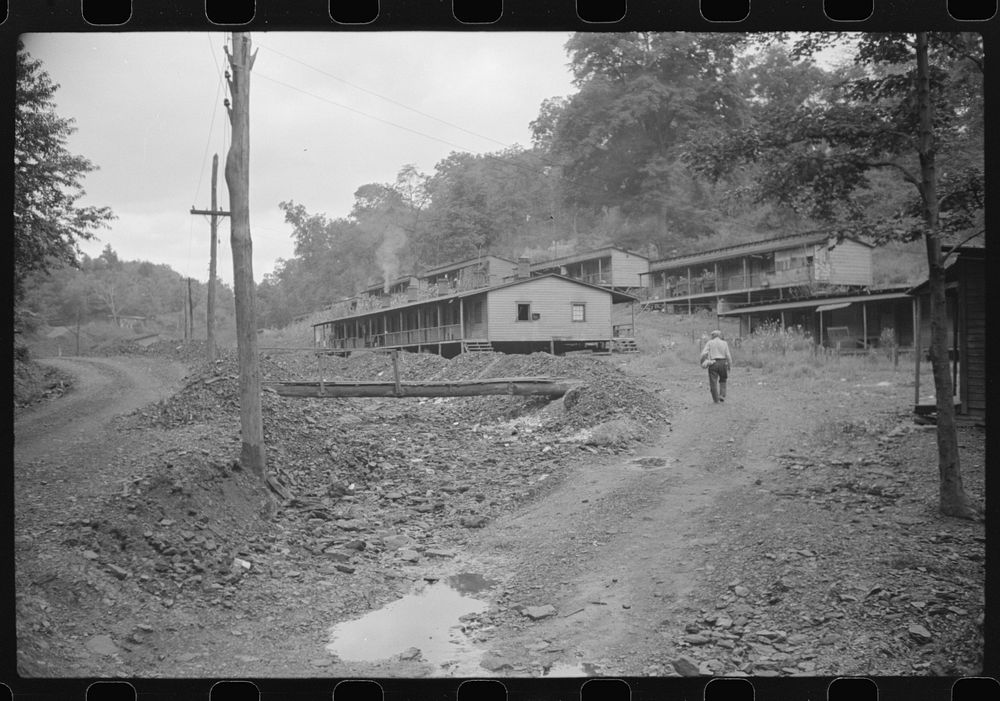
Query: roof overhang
[[831, 307], [815, 304], [586, 255]]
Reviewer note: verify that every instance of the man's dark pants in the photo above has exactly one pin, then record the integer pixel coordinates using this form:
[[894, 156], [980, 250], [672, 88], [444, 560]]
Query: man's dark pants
[[717, 376]]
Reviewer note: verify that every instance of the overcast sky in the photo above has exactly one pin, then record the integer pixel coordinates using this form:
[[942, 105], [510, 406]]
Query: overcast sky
[[149, 113]]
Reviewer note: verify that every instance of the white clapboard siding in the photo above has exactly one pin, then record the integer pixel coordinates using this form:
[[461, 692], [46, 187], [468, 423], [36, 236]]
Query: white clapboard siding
[[626, 268], [550, 298], [850, 264]]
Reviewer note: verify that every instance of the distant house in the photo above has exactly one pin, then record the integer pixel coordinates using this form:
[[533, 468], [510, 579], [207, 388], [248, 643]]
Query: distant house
[[544, 313], [432, 282], [786, 267], [124, 321], [484, 271], [610, 267]]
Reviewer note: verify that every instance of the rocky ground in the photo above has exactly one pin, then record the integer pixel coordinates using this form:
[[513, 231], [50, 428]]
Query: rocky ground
[[795, 535]]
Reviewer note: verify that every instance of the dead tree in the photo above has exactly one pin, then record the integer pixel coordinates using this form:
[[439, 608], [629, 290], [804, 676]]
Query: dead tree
[[252, 455]]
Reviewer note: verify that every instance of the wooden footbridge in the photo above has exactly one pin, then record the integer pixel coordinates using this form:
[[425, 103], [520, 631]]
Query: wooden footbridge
[[543, 386], [550, 387]]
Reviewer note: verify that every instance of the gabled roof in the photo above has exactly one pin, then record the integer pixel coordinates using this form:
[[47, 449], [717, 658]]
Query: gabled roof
[[776, 243], [615, 296], [462, 264], [585, 255]]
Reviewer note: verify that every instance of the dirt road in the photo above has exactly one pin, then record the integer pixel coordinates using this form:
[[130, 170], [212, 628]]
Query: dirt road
[[619, 546], [75, 428]]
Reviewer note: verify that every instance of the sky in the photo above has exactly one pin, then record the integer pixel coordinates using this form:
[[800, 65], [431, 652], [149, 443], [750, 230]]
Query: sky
[[329, 112]]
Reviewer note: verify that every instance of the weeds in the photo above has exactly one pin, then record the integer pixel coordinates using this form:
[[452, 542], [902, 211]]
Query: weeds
[[672, 342]]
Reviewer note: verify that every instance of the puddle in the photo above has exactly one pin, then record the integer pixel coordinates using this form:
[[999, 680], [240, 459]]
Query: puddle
[[565, 669], [426, 619]]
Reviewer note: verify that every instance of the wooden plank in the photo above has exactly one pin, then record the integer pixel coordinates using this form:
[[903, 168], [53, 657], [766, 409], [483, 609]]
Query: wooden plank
[[551, 389]]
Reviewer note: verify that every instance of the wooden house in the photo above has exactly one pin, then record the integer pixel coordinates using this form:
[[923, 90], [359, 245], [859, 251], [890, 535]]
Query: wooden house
[[608, 267], [783, 268], [433, 282], [485, 271], [847, 322], [543, 313], [965, 297]]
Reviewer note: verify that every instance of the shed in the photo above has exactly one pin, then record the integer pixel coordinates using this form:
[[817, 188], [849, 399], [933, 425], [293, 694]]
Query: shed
[[965, 290]]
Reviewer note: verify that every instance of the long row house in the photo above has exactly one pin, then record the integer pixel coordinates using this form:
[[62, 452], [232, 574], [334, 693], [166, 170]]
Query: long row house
[[819, 283]]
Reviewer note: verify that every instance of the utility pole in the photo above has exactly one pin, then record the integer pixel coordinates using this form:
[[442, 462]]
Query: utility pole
[[185, 310], [190, 314], [215, 213], [252, 455]]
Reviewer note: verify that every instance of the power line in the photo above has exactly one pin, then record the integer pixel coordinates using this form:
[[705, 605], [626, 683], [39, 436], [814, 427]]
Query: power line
[[363, 113], [384, 97], [490, 156], [593, 188], [208, 143]]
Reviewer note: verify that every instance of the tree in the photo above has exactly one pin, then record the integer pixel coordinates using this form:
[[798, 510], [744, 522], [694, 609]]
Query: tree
[[641, 94], [914, 111], [48, 221]]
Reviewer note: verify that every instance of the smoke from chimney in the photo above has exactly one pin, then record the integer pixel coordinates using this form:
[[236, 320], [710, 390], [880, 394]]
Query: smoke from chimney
[[387, 254]]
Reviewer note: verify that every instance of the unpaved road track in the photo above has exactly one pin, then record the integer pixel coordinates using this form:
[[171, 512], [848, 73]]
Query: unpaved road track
[[621, 542], [74, 431]]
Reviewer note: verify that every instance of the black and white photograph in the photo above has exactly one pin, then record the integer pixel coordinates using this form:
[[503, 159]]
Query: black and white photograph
[[540, 354]]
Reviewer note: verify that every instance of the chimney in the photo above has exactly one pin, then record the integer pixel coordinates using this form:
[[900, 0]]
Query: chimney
[[523, 267], [413, 290]]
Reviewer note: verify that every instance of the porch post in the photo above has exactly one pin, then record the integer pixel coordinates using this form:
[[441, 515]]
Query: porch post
[[782, 319], [864, 324], [689, 291], [916, 350], [461, 318], [955, 357]]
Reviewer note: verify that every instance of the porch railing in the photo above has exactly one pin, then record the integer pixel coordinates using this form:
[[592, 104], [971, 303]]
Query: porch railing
[[410, 337], [732, 283]]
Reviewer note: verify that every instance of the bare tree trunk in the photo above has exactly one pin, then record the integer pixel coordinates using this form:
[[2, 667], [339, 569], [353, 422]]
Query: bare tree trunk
[[252, 456], [952, 499]]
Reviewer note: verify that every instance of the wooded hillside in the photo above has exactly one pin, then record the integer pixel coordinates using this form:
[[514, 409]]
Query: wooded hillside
[[626, 161]]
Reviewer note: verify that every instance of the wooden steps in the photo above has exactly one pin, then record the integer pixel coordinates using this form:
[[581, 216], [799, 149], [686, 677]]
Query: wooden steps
[[624, 345], [477, 347]]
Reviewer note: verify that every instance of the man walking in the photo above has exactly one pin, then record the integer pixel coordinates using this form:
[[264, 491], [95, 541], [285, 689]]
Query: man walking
[[716, 357]]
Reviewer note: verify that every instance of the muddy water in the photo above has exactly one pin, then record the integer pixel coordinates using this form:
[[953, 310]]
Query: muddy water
[[427, 619]]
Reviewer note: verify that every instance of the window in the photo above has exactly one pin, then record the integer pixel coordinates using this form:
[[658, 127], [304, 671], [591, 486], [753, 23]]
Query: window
[[579, 312], [523, 311], [476, 315]]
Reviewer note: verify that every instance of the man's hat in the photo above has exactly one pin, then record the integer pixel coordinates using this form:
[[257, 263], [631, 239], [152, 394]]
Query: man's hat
[[716, 333]]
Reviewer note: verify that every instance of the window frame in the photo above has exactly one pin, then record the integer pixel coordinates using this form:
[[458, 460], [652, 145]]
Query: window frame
[[517, 311], [572, 312]]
